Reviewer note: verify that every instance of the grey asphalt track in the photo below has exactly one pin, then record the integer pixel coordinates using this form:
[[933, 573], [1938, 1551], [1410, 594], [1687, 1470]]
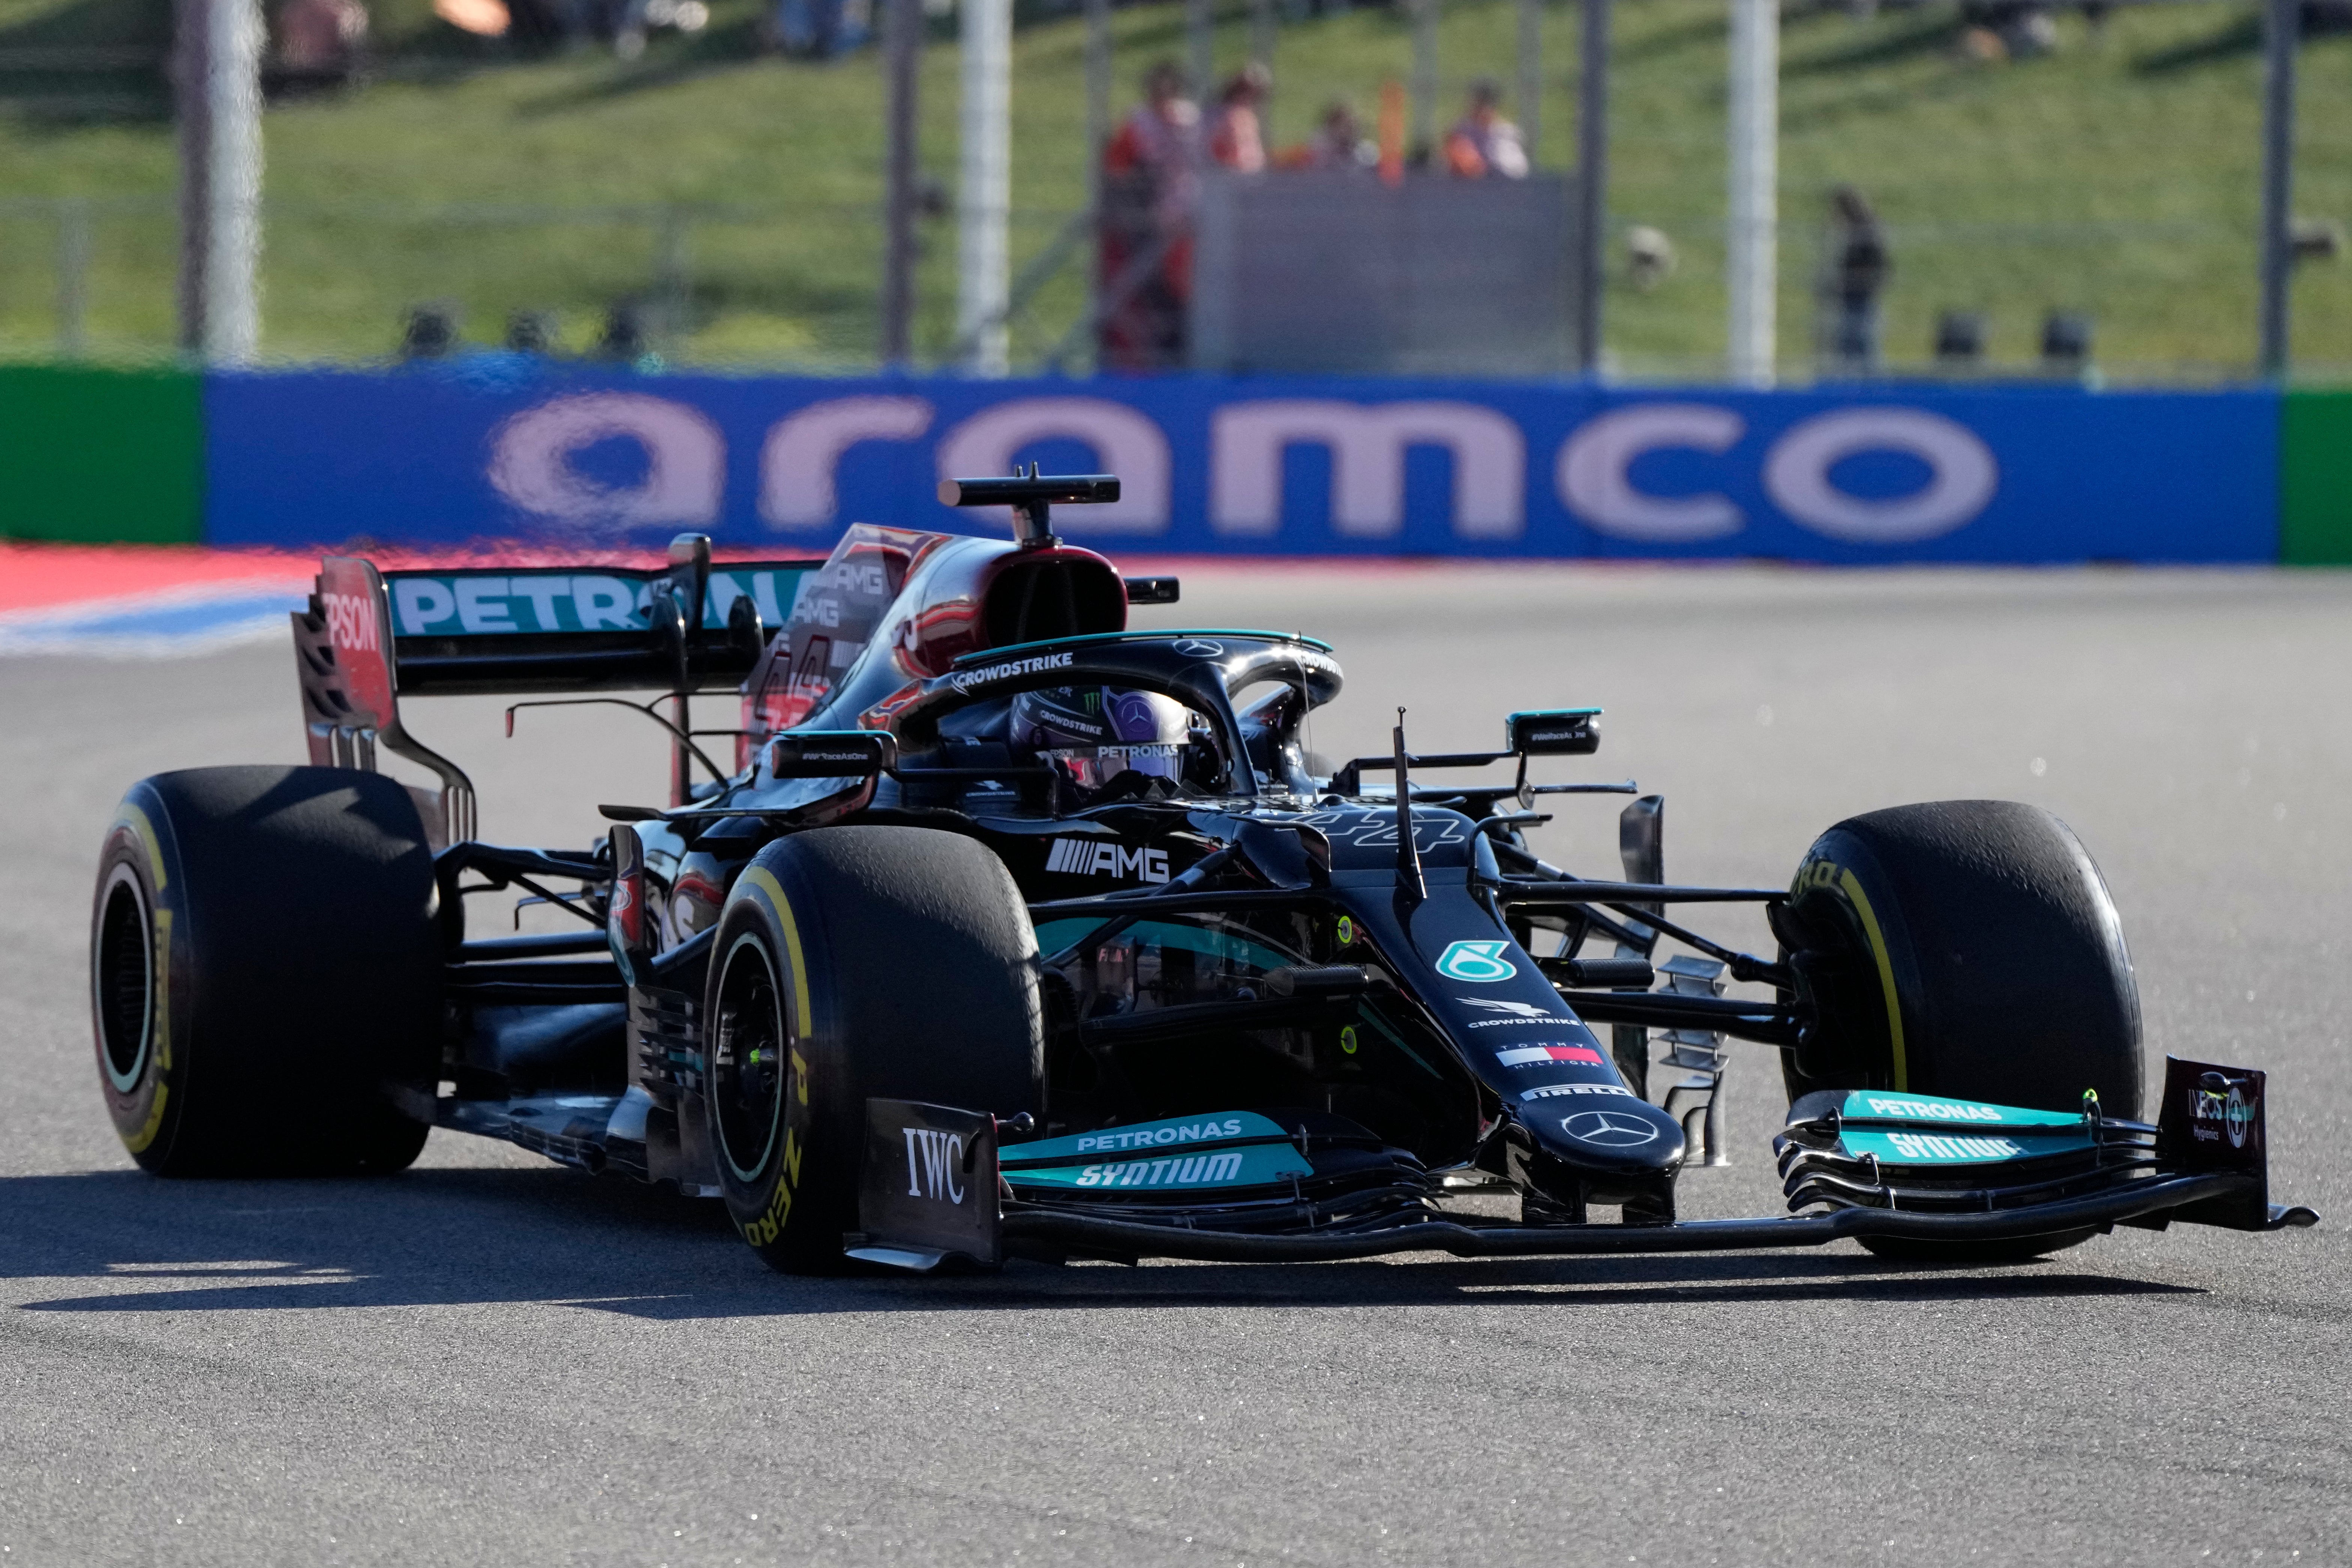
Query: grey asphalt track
[[490, 1359]]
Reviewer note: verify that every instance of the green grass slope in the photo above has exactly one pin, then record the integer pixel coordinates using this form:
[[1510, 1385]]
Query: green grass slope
[[2119, 176]]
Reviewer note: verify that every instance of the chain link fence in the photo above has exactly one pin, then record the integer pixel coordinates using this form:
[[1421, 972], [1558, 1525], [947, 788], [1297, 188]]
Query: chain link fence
[[2018, 200]]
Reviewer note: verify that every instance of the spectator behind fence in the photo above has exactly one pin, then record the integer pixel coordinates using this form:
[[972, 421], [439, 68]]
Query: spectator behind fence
[[1341, 143], [1482, 142], [1150, 187], [1236, 141], [318, 41], [1851, 283]]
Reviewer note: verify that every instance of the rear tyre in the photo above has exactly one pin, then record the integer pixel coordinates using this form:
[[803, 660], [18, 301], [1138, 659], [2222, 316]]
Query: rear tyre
[[1964, 948], [849, 963], [265, 971]]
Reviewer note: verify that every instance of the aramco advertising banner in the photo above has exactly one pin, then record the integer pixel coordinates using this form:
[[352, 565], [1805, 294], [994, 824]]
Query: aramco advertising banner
[[1887, 472]]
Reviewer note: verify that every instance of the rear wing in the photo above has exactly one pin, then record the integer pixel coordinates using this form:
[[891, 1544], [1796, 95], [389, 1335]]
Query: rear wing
[[565, 628], [369, 638]]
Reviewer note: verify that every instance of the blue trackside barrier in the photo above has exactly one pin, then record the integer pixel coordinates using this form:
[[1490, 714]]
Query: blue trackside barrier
[[1853, 475]]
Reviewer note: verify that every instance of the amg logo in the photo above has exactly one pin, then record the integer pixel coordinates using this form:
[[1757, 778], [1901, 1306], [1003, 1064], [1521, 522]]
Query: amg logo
[[1929, 1110], [1176, 1171], [933, 1161], [1940, 1146], [1102, 858], [858, 576], [351, 621]]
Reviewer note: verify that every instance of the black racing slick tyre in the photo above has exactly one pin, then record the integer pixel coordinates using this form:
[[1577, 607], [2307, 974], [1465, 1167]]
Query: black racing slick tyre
[[265, 971], [849, 963], [1963, 948]]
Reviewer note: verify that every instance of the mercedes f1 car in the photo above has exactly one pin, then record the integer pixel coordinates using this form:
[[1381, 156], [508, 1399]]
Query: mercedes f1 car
[[1007, 931]]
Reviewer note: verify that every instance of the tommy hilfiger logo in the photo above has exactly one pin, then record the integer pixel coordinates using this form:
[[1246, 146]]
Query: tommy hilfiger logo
[[1553, 1051]]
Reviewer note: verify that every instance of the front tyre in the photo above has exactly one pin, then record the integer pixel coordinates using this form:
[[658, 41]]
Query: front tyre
[[265, 971], [1969, 948], [850, 964]]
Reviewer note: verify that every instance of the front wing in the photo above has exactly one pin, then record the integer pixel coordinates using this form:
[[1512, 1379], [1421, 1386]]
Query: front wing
[[1244, 1188]]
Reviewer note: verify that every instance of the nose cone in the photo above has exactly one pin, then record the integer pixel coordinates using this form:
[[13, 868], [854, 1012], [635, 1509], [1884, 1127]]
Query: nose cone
[[1623, 1135]]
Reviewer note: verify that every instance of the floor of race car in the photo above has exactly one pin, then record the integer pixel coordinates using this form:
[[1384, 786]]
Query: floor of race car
[[491, 1359]]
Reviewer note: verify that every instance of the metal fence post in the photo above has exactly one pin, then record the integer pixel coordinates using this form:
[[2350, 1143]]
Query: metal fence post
[[1200, 50], [903, 44], [1591, 181], [1423, 136], [2282, 22], [217, 61], [1751, 243], [984, 196], [1530, 85], [671, 282], [1097, 62], [73, 277]]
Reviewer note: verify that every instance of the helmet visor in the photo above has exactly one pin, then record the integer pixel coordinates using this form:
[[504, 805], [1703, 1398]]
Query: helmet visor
[[1092, 767]]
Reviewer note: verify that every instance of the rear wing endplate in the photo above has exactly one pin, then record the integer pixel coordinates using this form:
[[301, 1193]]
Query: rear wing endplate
[[343, 650]]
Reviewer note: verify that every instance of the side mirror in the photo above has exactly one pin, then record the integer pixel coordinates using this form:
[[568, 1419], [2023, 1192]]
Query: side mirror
[[832, 753], [745, 631], [1557, 732], [1641, 839], [1152, 590]]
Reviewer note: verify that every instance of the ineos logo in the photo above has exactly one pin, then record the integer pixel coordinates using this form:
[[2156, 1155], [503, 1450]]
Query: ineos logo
[[933, 1161], [1609, 1129]]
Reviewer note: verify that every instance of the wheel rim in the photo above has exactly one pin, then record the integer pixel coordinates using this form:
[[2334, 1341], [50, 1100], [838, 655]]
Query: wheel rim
[[122, 976], [749, 1053]]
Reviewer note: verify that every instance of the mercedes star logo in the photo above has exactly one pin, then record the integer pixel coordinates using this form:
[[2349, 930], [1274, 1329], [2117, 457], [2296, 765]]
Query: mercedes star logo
[[1610, 1129], [1200, 647]]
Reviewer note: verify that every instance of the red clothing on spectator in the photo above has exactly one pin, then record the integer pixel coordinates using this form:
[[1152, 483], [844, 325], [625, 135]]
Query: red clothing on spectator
[[1150, 187], [1478, 147], [321, 38], [1236, 141]]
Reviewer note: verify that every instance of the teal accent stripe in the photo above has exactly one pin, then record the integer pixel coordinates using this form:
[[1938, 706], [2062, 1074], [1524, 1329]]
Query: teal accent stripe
[[989, 656]]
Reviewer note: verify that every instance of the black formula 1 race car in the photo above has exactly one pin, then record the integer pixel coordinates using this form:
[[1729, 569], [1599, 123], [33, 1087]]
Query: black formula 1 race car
[[1010, 931]]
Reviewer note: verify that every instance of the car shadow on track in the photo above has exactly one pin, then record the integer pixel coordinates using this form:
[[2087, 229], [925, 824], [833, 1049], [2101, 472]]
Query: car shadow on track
[[450, 1237]]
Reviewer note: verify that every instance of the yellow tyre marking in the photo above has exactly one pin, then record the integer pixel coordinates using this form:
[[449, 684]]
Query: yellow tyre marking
[[137, 819], [762, 878], [137, 1141], [771, 1224], [1886, 972]]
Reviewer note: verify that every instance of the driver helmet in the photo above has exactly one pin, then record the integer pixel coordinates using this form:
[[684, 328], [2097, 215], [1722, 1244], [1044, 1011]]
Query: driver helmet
[[1104, 743]]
